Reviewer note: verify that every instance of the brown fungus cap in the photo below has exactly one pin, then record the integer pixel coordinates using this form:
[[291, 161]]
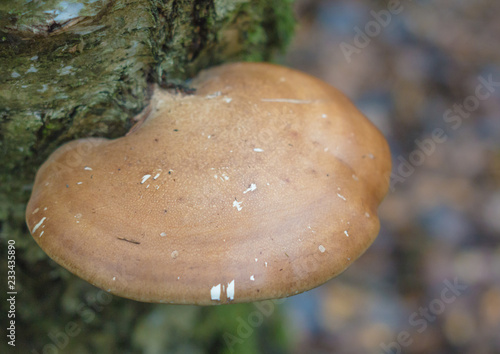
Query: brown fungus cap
[[263, 184]]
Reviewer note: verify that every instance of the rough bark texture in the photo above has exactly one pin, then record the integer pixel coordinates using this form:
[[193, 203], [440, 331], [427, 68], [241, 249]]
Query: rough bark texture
[[71, 69]]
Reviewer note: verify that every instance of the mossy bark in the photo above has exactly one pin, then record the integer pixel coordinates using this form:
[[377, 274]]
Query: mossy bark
[[80, 68]]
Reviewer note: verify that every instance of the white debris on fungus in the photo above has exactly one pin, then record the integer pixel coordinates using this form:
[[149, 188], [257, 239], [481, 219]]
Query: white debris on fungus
[[237, 205], [230, 290], [215, 292], [38, 225], [252, 187]]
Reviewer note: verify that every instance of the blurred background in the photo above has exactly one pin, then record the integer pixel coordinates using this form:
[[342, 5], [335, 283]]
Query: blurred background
[[420, 71]]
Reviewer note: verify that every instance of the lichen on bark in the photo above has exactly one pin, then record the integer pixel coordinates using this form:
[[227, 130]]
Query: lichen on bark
[[80, 68]]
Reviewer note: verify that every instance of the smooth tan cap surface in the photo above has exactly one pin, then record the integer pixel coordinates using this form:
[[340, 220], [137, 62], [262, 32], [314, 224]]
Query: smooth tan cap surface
[[263, 184]]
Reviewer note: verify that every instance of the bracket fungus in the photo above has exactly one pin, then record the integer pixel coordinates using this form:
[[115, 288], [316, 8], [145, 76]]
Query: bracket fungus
[[262, 184]]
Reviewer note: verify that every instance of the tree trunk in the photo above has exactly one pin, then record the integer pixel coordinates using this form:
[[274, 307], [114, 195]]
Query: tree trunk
[[80, 68]]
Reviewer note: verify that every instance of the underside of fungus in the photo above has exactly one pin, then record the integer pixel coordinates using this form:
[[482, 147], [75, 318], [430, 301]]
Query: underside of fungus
[[262, 184]]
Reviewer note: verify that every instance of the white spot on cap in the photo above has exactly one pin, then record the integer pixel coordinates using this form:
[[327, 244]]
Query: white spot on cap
[[324, 116], [86, 168], [321, 248], [114, 278], [230, 290], [258, 150], [252, 278], [174, 254], [38, 225], [145, 178], [256, 259], [163, 234], [252, 187], [367, 215], [237, 205], [79, 182], [354, 177], [341, 196], [227, 99], [345, 232], [215, 292], [265, 264], [157, 175], [41, 233], [35, 211]]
